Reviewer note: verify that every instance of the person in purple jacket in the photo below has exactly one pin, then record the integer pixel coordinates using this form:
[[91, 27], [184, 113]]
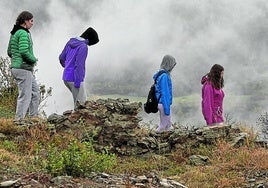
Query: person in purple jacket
[[163, 92], [72, 59], [212, 96]]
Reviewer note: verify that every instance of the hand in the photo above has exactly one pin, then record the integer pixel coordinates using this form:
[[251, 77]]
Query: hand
[[77, 85]]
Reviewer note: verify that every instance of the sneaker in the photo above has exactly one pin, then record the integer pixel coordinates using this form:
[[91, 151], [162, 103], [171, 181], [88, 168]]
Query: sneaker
[[19, 122]]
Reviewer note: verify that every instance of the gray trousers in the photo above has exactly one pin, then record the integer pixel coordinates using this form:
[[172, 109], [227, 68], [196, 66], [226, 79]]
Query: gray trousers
[[79, 94], [29, 94]]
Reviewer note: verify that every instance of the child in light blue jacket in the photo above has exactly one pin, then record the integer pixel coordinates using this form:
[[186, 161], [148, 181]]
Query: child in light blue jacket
[[164, 92]]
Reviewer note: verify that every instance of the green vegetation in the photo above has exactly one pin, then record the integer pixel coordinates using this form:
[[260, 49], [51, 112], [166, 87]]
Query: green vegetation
[[38, 151], [6, 112], [8, 90], [78, 159], [63, 154]]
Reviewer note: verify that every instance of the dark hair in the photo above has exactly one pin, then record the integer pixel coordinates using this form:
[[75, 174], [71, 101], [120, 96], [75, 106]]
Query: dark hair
[[23, 16], [91, 35], [214, 76]]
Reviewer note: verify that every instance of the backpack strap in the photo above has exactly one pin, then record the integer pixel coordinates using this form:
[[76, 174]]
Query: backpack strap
[[158, 74]]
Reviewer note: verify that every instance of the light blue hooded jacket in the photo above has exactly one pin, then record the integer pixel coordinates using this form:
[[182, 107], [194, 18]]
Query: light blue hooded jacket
[[164, 84]]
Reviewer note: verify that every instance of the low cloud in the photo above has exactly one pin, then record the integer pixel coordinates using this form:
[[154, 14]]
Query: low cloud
[[135, 36]]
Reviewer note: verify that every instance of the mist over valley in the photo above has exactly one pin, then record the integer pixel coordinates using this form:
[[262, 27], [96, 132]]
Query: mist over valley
[[135, 36]]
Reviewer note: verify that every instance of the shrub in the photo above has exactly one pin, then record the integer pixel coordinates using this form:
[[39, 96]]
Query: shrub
[[8, 87], [9, 91], [78, 160], [262, 122], [9, 145]]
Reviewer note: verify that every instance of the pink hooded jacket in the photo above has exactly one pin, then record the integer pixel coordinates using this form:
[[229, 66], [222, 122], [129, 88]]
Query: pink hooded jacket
[[212, 102]]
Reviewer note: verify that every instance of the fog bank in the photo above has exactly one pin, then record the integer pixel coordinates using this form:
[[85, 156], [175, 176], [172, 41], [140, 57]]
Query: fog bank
[[135, 36]]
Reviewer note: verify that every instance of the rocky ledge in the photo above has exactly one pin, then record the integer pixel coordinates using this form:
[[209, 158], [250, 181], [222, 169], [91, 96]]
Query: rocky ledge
[[115, 123]]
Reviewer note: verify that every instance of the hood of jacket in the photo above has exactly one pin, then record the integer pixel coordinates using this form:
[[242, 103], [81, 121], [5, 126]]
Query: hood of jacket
[[16, 28], [78, 41], [168, 63], [204, 79], [91, 35]]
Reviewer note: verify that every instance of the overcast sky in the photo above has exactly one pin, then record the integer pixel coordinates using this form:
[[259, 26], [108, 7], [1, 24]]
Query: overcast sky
[[198, 33]]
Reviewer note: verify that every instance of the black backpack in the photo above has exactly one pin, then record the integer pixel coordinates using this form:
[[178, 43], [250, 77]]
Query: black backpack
[[151, 105]]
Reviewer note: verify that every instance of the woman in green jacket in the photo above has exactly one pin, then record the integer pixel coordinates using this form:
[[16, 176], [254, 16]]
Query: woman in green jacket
[[20, 50]]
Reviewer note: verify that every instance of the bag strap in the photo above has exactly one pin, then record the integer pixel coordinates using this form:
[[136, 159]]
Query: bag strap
[[158, 74]]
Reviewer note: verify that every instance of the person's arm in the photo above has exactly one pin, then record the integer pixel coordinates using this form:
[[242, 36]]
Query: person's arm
[[165, 93], [207, 101], [79, 72], [62, 56], [9, 49]]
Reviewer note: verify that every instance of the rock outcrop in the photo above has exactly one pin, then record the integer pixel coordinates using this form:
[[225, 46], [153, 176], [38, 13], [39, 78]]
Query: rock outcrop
[[115, 123]]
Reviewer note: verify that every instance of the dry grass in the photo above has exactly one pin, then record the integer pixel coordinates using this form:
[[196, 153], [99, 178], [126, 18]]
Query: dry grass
[[227, 168], [242, 158], [7, 157], [7, 127], [33, 137], [11, 162]]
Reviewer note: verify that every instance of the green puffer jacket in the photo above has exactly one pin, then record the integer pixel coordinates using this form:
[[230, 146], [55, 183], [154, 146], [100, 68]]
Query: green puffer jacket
[[20, 49]]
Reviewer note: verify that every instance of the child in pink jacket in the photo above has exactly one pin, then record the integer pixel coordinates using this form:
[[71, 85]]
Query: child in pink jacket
[[212, 95]]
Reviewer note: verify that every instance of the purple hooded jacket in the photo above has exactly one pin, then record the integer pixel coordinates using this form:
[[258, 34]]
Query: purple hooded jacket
[[73, 58], [212, 102]]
